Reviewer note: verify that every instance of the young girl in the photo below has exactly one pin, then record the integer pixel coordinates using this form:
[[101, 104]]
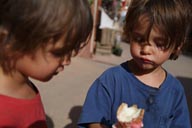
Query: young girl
[[156, 30], [37, 39]]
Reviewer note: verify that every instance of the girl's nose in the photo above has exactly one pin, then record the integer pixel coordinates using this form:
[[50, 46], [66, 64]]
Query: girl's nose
[[67, 60]]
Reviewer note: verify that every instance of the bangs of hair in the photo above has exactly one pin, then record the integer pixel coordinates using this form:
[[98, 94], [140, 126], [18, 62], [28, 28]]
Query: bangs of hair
[[80, 26], [33, 25], [169, 16], [77, 28]]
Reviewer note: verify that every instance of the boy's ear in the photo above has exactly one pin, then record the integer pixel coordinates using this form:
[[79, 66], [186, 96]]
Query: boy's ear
[[178, 49], [176, 52]]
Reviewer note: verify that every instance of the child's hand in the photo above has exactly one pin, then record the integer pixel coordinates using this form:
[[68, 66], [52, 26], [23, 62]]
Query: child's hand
[[129, 117], [133, 124]]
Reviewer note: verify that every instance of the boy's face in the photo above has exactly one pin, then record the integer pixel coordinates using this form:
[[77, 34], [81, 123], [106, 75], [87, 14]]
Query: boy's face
[[148, 52], [44, 63]]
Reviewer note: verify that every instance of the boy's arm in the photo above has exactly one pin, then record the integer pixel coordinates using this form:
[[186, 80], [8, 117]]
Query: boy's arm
[[97, 125], [181, 117], [96, 110]]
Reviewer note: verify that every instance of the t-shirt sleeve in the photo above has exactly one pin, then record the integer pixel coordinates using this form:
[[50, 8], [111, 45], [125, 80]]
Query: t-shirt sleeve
[[96, 108]]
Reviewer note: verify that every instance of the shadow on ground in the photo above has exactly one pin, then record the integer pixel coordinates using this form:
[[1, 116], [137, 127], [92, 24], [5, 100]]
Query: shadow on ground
[[49, 121], [187, 84], [74, 116]]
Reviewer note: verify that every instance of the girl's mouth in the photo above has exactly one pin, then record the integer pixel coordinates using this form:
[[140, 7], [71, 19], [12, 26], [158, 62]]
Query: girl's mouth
[[55, 73]]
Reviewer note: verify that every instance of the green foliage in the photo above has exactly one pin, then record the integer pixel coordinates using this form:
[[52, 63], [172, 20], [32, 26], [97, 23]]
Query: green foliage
[[117, 50], [90, 2]]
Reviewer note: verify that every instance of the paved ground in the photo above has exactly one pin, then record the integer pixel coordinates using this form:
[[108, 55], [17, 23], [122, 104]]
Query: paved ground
[[64, 95]]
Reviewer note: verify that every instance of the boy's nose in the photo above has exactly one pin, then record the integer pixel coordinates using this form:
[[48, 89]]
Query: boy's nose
[[146, 50]]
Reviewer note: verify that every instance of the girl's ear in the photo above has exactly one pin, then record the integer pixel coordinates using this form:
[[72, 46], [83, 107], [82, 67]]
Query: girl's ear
[[5, 45], [3, 35]]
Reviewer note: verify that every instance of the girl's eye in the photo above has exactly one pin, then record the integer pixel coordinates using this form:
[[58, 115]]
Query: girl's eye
[[57, 53]]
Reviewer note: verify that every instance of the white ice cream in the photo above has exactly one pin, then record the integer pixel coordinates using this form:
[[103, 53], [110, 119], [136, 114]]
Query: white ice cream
[[128, 113]]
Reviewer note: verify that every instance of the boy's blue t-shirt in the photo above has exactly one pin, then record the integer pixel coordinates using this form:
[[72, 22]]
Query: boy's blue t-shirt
[[165, 107]]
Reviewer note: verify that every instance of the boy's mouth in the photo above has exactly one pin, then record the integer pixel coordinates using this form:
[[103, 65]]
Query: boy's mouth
[[146, 61]]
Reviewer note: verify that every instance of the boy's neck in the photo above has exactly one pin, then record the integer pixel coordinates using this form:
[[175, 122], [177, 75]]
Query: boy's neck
[[153, 77]]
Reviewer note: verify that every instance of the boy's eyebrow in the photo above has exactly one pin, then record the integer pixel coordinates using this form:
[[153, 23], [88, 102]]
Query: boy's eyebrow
[[160, 38], [135, 33]]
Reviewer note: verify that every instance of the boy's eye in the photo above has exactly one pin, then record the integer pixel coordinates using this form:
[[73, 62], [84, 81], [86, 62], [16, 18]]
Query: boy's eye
[[160, 44], [138, 38]]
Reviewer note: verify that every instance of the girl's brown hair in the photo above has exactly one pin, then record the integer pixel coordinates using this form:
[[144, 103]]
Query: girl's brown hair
[[30, 24]]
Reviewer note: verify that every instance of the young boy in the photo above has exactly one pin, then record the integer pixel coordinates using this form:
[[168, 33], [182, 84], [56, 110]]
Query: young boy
[[156, 30], [37, 39]]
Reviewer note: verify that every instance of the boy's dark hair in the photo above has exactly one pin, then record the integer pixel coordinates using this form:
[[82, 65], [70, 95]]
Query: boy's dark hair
[[188, 46], [30, 24], [170, 16]]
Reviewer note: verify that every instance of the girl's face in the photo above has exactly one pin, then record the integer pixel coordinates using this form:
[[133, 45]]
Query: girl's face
[[148, 53], [45, 63]]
